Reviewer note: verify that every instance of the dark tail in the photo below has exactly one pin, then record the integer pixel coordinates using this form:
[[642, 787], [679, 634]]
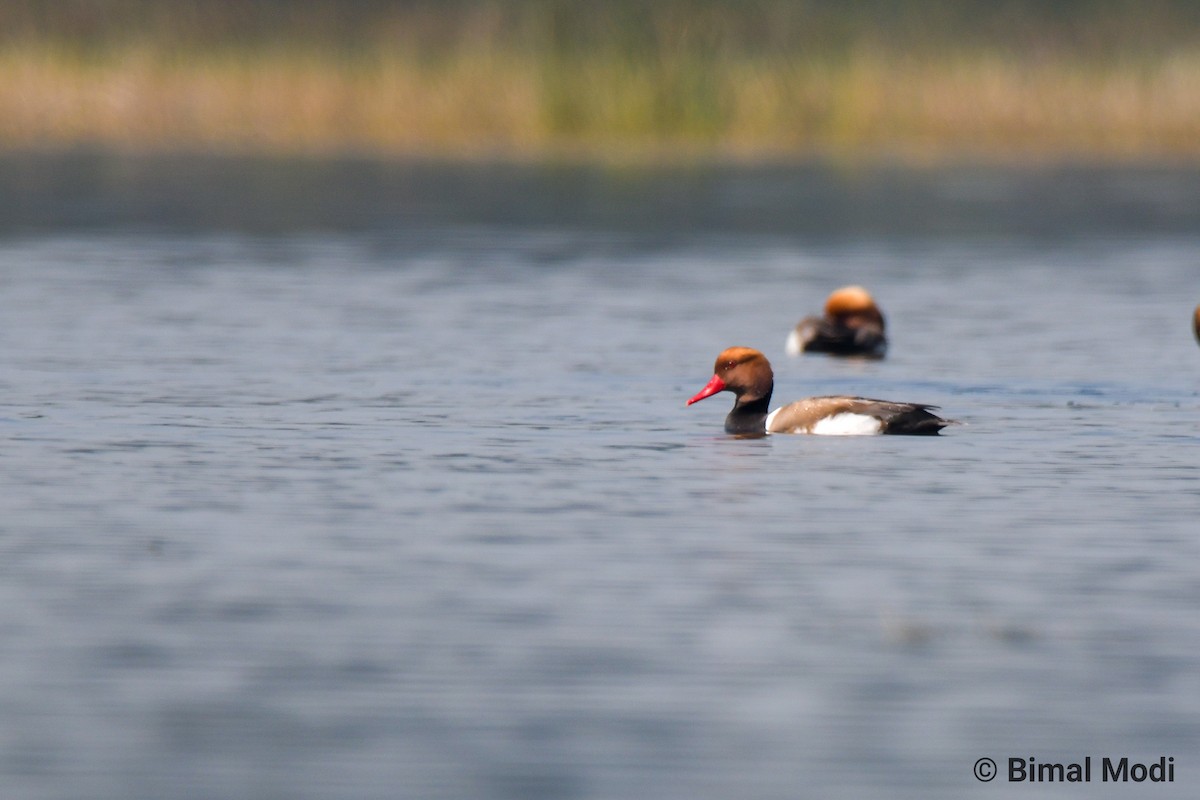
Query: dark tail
[[919, 421]]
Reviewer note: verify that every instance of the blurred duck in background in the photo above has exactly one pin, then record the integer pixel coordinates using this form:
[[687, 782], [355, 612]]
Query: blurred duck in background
[[1196, 323], [852, 326]]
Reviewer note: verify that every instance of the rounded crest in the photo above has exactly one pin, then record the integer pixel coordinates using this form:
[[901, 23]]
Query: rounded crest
[[849, 300]]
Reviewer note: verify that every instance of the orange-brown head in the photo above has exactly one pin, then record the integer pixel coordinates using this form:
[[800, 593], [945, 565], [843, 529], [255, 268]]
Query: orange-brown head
[[743, 371], [853, 303], [747, 373]]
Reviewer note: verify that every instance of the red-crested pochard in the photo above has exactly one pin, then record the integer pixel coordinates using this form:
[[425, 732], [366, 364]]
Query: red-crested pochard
[[852, 326], [1196, 323], [747, 373]]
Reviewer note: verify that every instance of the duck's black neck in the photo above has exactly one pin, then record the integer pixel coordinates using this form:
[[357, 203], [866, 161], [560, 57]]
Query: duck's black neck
[[749, 416]]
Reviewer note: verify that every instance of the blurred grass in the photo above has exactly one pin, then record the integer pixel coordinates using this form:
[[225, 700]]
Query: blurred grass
[[922, 79]]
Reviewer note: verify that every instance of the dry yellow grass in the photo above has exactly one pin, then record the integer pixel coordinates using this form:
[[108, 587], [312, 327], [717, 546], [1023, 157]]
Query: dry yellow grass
[[141, 98], [493, 87]]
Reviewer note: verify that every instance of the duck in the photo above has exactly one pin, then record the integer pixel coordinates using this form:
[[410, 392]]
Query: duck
[[1196, 323], [747, 373], [852, 325]]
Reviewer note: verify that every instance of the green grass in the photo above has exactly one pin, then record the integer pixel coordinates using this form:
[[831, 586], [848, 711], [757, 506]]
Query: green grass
[[929, 79]]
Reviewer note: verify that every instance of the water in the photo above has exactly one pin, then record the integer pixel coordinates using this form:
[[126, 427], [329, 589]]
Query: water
[[340, 480]]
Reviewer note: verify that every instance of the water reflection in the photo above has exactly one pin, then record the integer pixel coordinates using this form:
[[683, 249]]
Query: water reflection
[[664, 205]]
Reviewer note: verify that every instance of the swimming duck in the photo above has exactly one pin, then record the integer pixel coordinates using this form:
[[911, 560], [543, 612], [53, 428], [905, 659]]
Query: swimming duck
[[852, 326], [747, 373]]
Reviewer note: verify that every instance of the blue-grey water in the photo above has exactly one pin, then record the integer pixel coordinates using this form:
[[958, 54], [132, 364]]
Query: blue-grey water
[[351, 480]]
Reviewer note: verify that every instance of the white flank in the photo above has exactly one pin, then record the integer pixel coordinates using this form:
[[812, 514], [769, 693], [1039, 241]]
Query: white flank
[[847, 424], [771, 416], [793, 343]]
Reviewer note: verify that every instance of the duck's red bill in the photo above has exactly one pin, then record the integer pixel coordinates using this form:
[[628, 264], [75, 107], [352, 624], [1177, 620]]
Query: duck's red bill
[[712, 387]]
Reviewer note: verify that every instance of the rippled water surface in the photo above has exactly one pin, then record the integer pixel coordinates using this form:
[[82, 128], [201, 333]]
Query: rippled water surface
[[341, 480]]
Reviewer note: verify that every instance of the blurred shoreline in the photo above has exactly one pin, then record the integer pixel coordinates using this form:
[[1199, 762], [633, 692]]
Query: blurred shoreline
[[924, 82]]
